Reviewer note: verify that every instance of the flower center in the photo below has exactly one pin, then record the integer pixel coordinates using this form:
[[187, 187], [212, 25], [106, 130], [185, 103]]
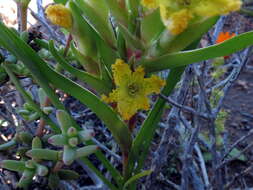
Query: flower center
[[133, 89]]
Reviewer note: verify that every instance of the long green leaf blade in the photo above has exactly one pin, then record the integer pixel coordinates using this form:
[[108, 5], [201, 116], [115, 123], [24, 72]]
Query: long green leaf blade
[[184, 58], [37, 66]]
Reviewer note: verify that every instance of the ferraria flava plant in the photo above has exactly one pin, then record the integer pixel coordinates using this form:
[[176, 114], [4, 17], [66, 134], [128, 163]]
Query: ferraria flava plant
[[121, 46]]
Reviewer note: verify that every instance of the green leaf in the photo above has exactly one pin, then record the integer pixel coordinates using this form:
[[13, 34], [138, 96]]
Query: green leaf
[[151, 27], [8, 145], [44, 154], [167, 43], [91, 80], [68, 174], [117, 11], [136, 177], [61, 1], [24, 53], [144, 137], [99, 24], [184, 58], [132, 40], [235, 152], [98, 173], [29, 100], [13, 165]]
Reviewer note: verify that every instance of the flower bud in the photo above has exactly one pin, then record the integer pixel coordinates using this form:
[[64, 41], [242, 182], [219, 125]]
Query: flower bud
[[72, 132], [59, 15], [73, 142]]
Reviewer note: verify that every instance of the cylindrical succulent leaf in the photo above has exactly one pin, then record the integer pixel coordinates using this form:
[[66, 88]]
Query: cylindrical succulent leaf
[[33, 116], [72, 132], [73, 142], [69, 155], [86, 151], [13, 165], [44, 154], [26, 179], [30, 164], [53, 180], [28, 106], [47, 110], [68, 174], [64, 120], [86, 134], [42, 97], [23, 112], [41, 170], [58, 140], [36, 143], [25, 137]]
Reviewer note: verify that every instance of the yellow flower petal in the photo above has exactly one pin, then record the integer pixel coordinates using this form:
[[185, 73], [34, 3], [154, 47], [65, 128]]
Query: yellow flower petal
[[176, 22], [151, 4], [153, 84], [177, 14], [59, 15], [121, 71], [131, 93]]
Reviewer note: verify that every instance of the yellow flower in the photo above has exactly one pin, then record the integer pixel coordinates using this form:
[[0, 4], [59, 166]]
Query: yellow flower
[[176, 22], [177, 15], [151, 4], [59, 15], [217, 7], [132, 89]]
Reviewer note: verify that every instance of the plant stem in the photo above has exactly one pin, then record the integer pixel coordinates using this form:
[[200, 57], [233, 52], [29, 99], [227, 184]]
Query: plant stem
[[22, 14]]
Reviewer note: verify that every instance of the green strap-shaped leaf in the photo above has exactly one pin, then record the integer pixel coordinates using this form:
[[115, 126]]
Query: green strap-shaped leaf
[[98, 173], [99, 24], [36, 65], [136, 177], [29, 100], [132, 40], [151, 27], [174, 60], [91, 80], [117, 11], [143, 140]]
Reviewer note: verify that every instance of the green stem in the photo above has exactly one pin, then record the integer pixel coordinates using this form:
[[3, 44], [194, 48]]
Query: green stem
[[28, 99]]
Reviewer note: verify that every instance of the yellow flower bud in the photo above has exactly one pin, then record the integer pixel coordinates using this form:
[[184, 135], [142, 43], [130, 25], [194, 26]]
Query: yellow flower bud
[[59, 15], [151, 4]]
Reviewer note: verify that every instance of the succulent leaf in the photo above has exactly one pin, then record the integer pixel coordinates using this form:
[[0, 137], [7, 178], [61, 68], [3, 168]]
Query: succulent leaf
[[69, 155], [86, 151]]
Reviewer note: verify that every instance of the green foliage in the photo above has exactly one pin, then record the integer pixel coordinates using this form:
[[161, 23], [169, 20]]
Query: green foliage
[[102, 31]]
